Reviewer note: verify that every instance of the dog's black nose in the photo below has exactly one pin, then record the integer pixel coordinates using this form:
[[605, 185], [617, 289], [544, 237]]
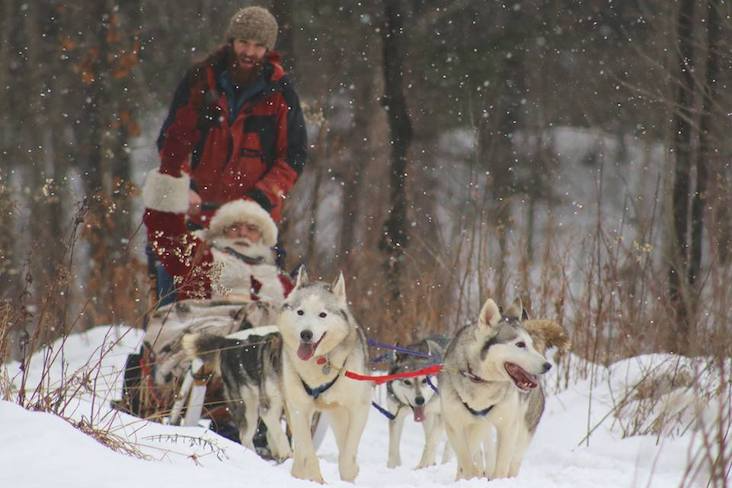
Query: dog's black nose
[[306, 335], [547, 367], [419, 400]]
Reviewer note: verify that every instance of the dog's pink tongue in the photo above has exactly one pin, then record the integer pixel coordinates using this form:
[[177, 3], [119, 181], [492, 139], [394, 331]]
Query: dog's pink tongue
[[306, 350], [418, 414]]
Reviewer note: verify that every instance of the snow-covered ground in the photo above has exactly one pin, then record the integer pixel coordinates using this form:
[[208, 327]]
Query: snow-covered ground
[[43, 450]]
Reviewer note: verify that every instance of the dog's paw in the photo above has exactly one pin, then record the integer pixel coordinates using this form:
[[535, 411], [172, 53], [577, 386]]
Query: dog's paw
[[303, 473], [281, 455], [393, 463], [281, 459], [425, 464], [307, 469], [468, 474]]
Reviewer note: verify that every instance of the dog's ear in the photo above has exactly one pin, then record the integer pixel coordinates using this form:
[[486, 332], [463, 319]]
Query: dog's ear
[[489, 314], [339, 288], [435, 350], [516, 310], [302, 277]]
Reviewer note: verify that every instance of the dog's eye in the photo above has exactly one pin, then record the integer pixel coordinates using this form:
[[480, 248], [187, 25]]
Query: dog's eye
[[424, 381], [521, 344], [407, 382], [322, 315], [301, 312]]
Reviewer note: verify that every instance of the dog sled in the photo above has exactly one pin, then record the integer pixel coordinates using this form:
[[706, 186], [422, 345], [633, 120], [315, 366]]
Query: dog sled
[[162, 384]]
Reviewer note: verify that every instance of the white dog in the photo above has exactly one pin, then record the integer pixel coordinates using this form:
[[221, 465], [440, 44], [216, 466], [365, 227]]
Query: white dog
[[321, 341]]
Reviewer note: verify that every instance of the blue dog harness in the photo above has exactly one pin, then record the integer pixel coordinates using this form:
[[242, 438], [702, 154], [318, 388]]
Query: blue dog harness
[[316, 392], [383, 411], [478, 413]]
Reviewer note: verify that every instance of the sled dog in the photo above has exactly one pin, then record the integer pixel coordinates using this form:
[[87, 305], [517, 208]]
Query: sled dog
[[490, 379], [251, 370], [415, 396], [321, 341]]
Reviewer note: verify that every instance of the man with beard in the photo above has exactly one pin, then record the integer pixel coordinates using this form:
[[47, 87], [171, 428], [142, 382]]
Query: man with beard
[[235, 127], [232, 259]]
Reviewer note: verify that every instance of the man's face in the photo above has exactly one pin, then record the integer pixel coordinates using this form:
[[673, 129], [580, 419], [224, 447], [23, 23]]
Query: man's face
[[246, 232], [249, 53]]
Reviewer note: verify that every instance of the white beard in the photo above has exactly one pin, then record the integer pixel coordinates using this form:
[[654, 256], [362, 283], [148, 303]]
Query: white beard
[[231, 276], [253, 250]]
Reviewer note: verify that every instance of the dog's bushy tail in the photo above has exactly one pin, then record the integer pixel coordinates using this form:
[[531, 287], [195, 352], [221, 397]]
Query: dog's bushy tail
[[207, 348], [546, 334]]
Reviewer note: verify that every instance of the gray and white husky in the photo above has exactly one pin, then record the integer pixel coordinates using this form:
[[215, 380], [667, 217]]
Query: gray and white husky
[[321, 341], [416, 397], [490, 379]]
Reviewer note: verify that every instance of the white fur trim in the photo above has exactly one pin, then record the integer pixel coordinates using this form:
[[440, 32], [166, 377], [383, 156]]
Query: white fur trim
[[244, 211], [166, 193]]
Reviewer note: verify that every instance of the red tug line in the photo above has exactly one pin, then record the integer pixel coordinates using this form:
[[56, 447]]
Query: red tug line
[[428, 371]]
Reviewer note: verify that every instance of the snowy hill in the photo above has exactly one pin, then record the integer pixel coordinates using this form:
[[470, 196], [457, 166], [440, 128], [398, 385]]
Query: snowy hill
[[43, 450]]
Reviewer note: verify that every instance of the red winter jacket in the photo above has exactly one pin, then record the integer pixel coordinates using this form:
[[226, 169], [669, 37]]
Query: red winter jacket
[[256, 153]]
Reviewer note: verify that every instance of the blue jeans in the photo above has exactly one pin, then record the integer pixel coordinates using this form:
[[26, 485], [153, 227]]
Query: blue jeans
[[164, 288]]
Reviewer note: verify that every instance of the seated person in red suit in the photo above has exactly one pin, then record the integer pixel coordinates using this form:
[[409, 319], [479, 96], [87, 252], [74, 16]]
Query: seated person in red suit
[[232, 259]]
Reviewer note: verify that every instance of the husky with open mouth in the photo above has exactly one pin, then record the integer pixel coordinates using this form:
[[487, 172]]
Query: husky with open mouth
[[416, 397], [491, 379], [321, 341]]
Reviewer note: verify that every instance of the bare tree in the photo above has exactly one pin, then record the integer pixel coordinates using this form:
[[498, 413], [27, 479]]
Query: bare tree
[[706, 145], [355, 167], [282, 10], [95, 163], [395, 238], [682, 150]]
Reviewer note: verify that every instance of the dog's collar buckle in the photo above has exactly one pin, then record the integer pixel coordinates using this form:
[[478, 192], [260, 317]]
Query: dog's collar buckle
[[325, 363]]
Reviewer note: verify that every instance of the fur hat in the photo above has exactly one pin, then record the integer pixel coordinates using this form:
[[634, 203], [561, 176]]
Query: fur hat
[[243, 211], [253, 23]]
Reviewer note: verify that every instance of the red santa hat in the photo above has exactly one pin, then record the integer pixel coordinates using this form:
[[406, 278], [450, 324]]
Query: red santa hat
[[243, 211]]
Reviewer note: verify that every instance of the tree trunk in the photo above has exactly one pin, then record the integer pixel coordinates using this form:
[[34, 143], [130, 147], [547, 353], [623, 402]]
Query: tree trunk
[[502, 159], [395, 238], [705, 150], [312, 248], [355, 168], [96, 169], [282, 10], [315, 165], [681, 148], [10, 279]]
